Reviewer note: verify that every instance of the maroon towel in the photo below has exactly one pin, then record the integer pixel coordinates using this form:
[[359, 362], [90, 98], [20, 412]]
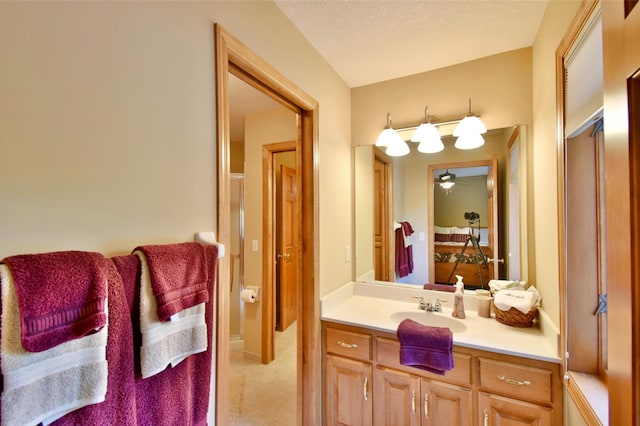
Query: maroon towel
[[404, 255], [119, 406], [440, 287], [425, 347], [179, 276], [178, 395], [61, 296]]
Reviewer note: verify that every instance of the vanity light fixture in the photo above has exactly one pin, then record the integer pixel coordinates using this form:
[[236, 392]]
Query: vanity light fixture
[[428, 136], [389, 138], [469, 131]]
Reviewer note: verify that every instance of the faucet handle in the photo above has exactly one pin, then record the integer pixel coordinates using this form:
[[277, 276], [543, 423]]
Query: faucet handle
[[421, 304], [438, 307]]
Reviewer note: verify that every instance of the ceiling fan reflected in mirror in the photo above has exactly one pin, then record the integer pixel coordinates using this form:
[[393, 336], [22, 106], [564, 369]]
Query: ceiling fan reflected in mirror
[[447, 180]]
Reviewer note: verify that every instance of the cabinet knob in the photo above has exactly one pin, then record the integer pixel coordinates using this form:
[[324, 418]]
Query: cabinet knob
[[413, 402], [486, 417]]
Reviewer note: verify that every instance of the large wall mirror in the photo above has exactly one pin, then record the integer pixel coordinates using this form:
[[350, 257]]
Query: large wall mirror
[[391, 192]]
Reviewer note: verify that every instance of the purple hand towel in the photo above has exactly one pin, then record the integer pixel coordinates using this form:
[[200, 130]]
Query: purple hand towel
[[180, 275], [425, 347], [440, 287], [61, 296]]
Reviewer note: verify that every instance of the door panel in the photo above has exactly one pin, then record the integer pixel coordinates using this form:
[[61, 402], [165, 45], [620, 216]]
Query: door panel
[[286, 287]]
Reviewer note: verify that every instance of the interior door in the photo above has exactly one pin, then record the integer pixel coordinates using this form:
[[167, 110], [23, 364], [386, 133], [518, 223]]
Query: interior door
[[381, 220], [286, 280]]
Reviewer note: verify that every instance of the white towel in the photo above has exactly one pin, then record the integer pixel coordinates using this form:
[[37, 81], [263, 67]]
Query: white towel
[[497, 285], [167, 343], [522, 300], [44, 386]]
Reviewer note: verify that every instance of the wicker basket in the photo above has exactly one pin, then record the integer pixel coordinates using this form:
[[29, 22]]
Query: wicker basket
[[514, 317]]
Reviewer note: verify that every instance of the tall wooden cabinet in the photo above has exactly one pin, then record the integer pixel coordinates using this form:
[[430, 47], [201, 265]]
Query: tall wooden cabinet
[[365, 384]]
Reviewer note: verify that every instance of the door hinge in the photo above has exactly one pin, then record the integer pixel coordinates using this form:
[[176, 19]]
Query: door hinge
[[602, 305]]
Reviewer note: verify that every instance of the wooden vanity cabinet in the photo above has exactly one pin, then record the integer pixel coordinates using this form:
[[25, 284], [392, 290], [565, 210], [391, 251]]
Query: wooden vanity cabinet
[[364, 383], [405, 399]]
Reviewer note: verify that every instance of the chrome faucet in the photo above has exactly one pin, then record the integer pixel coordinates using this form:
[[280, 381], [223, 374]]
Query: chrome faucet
[[427, 306], [422, 304]]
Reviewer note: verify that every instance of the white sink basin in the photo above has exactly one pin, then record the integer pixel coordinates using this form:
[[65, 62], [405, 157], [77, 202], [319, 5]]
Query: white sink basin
[[434, 319]]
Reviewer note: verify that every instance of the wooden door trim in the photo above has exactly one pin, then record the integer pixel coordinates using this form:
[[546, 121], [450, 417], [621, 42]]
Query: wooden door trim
[[233, 56], [269, 249]]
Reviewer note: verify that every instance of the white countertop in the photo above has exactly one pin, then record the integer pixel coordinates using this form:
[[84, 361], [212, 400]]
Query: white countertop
[[382, 306]]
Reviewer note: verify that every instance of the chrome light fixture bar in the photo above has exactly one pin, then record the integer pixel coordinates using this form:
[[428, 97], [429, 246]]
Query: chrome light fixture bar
[[469, 131]]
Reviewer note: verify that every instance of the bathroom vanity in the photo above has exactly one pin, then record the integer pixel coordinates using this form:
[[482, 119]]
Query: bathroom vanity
[[501, 373]]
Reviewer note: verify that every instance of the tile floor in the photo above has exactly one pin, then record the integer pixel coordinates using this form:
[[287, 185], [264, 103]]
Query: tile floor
[[264, 394]]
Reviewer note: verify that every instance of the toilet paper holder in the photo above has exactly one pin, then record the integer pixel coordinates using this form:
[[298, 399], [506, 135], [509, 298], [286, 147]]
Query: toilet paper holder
[[250, 294]]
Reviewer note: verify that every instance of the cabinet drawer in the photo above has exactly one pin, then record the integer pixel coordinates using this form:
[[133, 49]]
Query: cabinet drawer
[[520, 381], [388, 353], [347, 343]]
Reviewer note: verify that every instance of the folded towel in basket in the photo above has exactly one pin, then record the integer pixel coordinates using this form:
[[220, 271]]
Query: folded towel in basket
[[522, 300], [44, 386], [61, 296], [425, 347], [167, 342]]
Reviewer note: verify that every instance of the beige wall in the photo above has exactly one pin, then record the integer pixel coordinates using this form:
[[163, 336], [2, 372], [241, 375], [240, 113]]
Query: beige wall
[[557, 18], [107, 123], [499, 87], [260, 129]]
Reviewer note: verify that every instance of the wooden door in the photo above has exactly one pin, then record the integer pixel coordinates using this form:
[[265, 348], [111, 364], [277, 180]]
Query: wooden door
[[348, 399], [443, 403], [381, 220], [498, 410], [287, 220], [397, 398]]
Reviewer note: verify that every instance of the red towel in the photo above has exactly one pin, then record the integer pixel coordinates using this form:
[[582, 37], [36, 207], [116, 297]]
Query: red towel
[[119, 406], [179, 276], [178, 395], [61, 296], [404, 255], [425, 347]]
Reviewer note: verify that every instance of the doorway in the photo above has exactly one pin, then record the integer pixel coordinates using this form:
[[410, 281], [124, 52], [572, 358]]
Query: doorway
[[234, 57]]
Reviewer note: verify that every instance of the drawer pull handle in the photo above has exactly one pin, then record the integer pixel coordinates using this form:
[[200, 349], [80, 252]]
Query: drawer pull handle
[[347, 345], [426, 405], [413, 402], [514, 382], [364, 388], [486, 417]]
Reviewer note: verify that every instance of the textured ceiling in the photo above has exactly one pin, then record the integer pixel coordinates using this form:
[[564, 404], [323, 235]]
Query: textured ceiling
[[368, 41]]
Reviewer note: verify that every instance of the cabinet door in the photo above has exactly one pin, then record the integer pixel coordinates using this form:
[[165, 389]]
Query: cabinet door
[[497, 410], [445, 404], [348, 392], [397, 398]]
